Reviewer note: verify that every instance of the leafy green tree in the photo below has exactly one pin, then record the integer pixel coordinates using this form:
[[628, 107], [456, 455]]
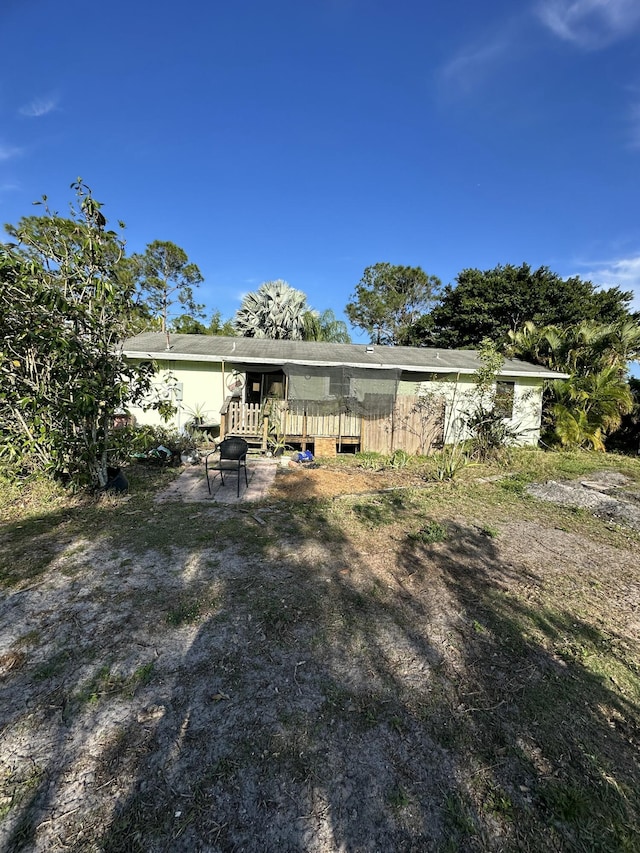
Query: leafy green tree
[[164, 275], [587, 408], [220, 327], [583, 348], [185, 324], [491, 303], [64, 311], [389, 300], [276, 310], [485, 421], [627, 437]]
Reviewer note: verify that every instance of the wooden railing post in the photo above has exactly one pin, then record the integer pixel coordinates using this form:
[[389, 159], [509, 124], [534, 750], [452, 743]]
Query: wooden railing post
[[224, 418]]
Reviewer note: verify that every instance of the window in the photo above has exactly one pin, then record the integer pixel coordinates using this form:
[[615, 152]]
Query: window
[[336, 385], [505, 392], [274, 385]]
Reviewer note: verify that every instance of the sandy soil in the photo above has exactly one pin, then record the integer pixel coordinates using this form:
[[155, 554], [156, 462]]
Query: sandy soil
[[327, 694], [302, 482]]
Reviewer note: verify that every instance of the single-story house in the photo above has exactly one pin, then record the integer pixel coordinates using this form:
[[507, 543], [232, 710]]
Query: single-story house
[[331, 397]]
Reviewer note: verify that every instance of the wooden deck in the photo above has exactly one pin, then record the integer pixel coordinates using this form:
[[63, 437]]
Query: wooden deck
[[246, 420], [407, 427]]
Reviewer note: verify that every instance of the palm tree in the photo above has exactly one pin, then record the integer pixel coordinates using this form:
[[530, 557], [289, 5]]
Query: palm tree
[[589, 405], [325, 327], [587, 408], [622, 343], [276, 310], [589, 347], [539, 344]]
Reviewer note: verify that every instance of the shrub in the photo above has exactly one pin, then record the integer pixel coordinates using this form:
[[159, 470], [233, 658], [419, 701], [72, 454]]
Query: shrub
[[450, 460], [399, 459], [135, 441], [430, 533], [490, 433], [370, 459]]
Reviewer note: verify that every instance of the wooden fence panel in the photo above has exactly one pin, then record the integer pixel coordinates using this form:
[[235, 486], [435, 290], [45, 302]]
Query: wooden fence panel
[[333, 425], [418, 426], [377, 434], [320, 424], [292, 423], [412, 427]]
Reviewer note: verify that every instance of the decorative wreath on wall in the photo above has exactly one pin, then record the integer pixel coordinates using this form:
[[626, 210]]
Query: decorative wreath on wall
[[235, 382]]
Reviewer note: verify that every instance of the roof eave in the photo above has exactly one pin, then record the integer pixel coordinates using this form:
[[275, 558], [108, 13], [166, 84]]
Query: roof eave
[[168, 355]]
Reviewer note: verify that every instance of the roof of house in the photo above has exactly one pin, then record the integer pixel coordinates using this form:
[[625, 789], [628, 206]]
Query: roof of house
[[242, 351]]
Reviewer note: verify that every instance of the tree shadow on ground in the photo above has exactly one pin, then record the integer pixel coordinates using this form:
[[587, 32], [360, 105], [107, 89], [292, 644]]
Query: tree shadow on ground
[[296, 718], [319, 703], [554, 742], [63, 611]]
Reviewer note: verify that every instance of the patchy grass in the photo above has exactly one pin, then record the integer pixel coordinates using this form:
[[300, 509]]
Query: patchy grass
[[340, 685], [429, 533], [104, 682], [188, 610], [53, 666], [380, 510]]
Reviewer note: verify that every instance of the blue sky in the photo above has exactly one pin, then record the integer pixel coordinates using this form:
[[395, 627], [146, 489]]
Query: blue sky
[[309, 140]]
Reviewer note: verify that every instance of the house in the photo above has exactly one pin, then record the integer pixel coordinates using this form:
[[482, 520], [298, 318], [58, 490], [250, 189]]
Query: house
[[330, 397]]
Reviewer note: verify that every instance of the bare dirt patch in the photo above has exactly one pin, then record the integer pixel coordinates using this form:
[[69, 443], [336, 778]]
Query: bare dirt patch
[[300, 482], [324, 678]]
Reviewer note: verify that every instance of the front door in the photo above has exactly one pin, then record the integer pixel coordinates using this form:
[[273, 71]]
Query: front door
[[253, 388], [264, 386]]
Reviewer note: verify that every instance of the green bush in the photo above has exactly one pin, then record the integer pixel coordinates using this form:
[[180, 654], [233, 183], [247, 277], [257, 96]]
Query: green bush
[[371, 460], [490, 433], [131, 442], [449, 461], [399, 459], [430, 533]]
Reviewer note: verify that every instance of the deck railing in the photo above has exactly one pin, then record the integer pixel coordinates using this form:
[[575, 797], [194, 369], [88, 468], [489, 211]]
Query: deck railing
[[406, 427], [244, 418]]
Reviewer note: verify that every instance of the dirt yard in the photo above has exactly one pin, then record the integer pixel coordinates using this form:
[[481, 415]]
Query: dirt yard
[[301, 482], [341, 669]]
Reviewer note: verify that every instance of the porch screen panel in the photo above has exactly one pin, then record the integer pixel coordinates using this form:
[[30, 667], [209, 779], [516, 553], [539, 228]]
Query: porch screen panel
[[341, 390]]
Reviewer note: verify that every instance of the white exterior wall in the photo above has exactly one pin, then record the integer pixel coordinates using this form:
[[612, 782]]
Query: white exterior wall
[[205, 385], [460, 395], [202, 387]]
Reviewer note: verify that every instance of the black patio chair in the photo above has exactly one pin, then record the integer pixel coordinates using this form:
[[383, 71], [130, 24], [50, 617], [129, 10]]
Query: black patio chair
[[233, 457]]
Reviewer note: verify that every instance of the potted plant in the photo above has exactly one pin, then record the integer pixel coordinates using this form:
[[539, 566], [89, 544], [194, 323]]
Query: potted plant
[[277, 445], [197, 413], [187, 446]]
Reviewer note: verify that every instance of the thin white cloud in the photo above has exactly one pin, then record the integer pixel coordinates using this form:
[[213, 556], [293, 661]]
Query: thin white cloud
[[590, 24], [39, 107], [620, 272], [466, 68], [8, 152], [503, 42]]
